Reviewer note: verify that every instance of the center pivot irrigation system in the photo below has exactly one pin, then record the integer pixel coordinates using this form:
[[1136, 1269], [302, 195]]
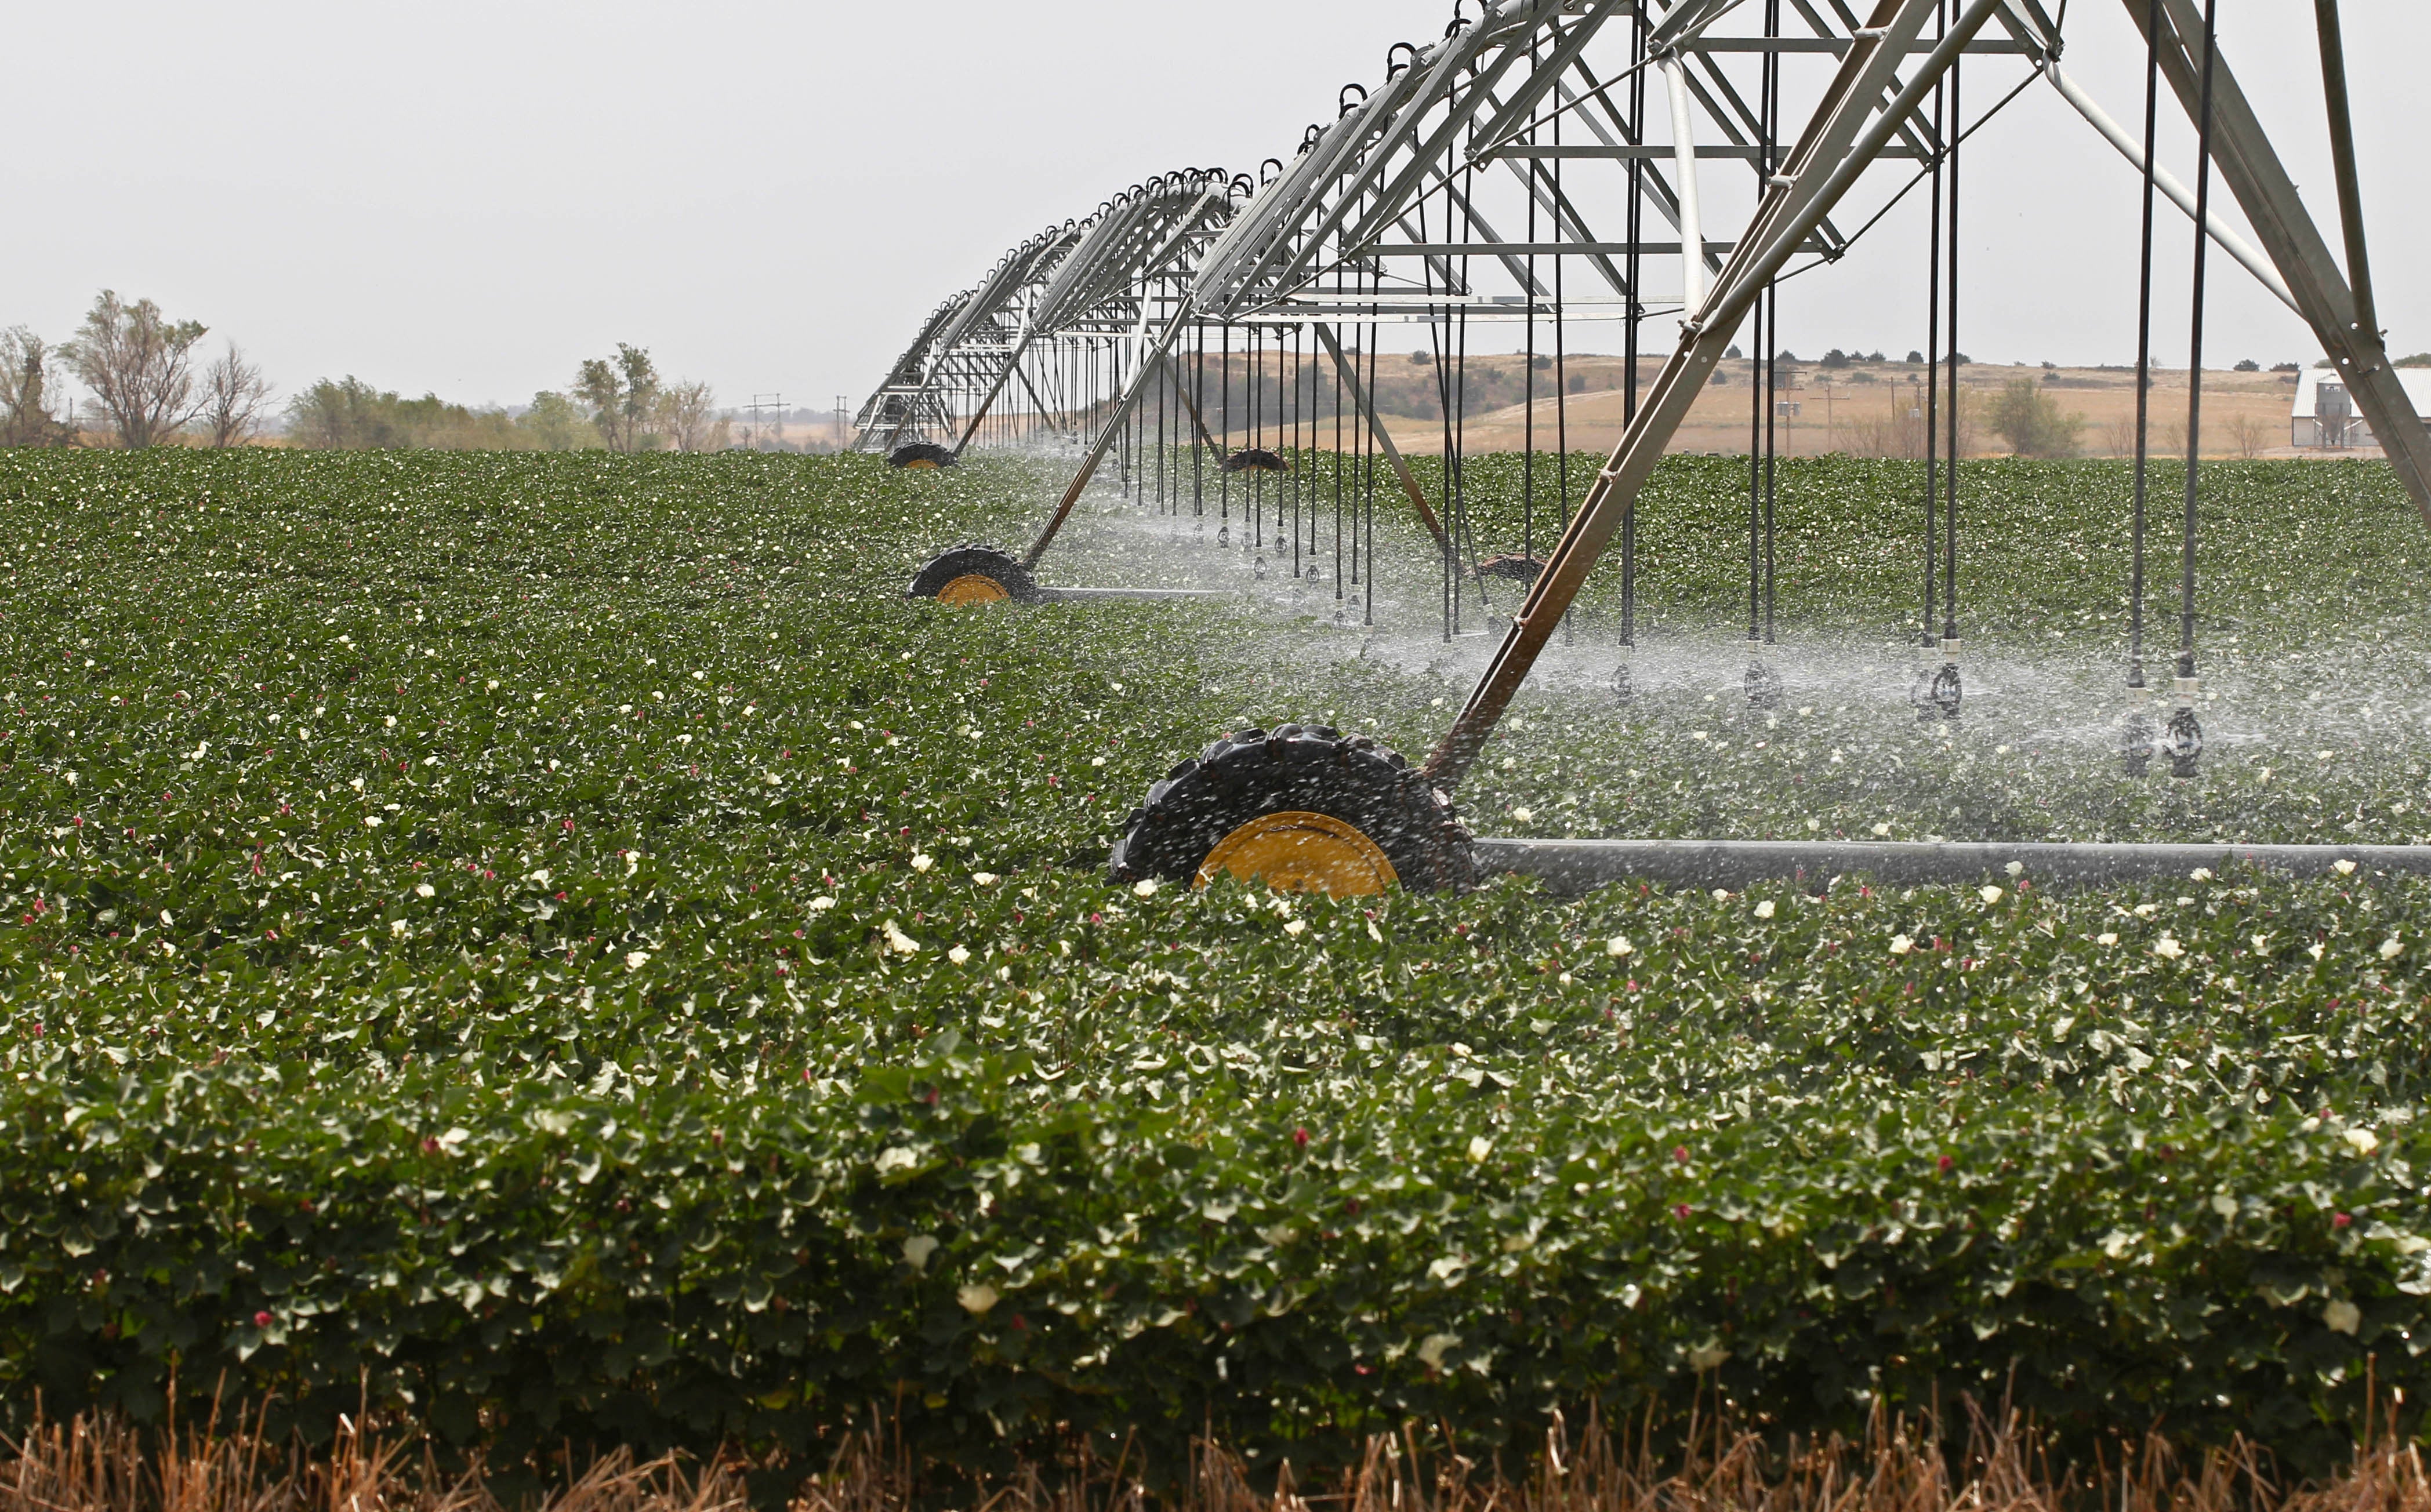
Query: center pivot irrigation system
[[1547, 162]]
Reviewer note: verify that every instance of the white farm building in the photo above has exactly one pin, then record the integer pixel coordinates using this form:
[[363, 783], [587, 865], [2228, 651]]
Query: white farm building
[[2324, 415]]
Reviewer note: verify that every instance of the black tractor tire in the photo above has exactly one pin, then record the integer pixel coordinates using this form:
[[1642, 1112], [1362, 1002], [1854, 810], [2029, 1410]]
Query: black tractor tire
[[1307, 768], [920, 454], [974, 561]]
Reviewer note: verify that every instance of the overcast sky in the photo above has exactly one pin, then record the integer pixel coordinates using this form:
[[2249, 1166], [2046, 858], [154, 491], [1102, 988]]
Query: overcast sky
[[470, 198]]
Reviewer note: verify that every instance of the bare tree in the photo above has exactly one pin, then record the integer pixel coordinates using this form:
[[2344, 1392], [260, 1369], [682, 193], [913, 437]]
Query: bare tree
[[139, 365], [2250, 435], [234, 393], [687, 413], [29, 389]]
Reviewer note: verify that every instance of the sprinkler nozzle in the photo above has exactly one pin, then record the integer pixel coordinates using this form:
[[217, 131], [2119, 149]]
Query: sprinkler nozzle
[[2183, 741], [1763, 686], [2135, 742]]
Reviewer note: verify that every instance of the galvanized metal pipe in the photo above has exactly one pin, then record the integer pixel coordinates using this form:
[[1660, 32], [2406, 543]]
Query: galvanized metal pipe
[[2245, 252], [1577, 866]]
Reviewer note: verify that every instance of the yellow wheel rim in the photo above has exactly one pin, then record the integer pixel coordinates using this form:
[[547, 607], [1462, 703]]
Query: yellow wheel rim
[[919, 464], [1299, 852], [972, 587]]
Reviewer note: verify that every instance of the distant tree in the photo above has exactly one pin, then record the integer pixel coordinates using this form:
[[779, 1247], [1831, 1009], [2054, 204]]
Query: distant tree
[[1874, 356], [1915, 357], [557, 424], [29, 393], [2031, 422], [1417, 358], [1786, 356], [234, 393], [2051, 367], [2250, 435], [688, 416], [1578, 383], [2420, 360], [1540, 362], [623, 393], [1733, 353], [1836, 358], [139, 365], [348, 415], [2247, 365]]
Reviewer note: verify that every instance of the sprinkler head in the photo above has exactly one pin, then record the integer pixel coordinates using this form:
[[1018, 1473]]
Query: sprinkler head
[[1224, 535], [2183, 742], [1763, 686], [2136, 744], [1623, 689], [1947, 695], [1257, 570]]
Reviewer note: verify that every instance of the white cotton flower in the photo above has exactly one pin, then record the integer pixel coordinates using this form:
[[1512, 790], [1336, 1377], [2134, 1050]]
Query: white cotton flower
[[2342, 1317], [636, 959], [1523, 815], [2168, 949], [896, 941], [1096, 762], [2105, 938], [1901, 944], [400, 927], [390, 721], [2391, 948], [167, 919], [822, 904], [958, 954], [2364, 1140], [2343, 867], [1617, 945], [371, 821], [975, 1299], [1295, 926], [917, 1248], [1764, 909], [1479, 1148], [2201, 874], [1882, 829], [921, 861], [1145, 888], [1991, 894], [425, 889], [985, 879]]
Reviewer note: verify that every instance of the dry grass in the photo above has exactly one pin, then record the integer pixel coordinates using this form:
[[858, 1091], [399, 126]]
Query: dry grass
[[1902, 1466], [104, 1466]]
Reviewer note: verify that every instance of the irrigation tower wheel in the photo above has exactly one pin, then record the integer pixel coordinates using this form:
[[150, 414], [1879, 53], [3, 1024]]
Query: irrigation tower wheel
[[1255, 459], [920, 457], [1516, 567], [973, 575], [1303, 808]]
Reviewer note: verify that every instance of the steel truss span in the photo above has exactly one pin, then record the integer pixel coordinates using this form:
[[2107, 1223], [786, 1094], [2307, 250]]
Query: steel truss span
[[1213, 338]]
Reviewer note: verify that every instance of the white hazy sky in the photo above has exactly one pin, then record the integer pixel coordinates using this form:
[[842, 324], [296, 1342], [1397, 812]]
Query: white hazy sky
[[470, 198]]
